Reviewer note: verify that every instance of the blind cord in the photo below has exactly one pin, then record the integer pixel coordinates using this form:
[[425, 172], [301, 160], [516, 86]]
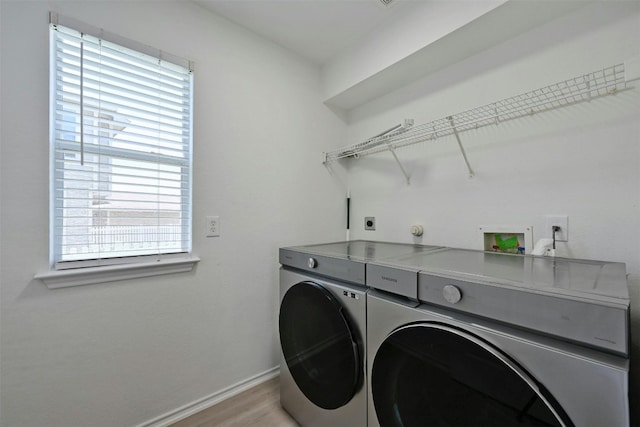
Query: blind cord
[[82, 103]]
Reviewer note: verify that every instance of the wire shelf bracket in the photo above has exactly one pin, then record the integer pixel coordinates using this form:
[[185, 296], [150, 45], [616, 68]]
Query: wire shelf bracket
[[404, 172], [584, 88], [464, 153]]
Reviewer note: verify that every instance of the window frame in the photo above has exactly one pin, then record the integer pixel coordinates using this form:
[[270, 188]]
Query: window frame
[[101, 269]]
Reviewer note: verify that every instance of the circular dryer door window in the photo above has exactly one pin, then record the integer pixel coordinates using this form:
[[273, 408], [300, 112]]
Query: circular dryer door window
[[319, 345], [434, 375]]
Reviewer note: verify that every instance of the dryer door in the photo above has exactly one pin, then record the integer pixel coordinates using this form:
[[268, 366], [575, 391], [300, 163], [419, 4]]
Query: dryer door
[[319, 345], [428, 374]]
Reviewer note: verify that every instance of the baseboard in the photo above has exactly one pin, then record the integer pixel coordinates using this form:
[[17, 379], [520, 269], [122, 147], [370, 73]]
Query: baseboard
[[208, 401]]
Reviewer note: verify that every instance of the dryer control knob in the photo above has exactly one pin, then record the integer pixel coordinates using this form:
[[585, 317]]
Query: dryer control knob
[[312, 263], [452, 294]]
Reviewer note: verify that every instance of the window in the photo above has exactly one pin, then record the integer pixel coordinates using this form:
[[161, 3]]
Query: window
[[121, 153]]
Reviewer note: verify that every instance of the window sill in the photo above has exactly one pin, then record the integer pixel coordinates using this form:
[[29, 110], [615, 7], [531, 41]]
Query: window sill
[[91, 275]]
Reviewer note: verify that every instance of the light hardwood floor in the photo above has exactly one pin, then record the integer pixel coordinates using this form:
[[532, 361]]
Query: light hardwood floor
[[258, 406]]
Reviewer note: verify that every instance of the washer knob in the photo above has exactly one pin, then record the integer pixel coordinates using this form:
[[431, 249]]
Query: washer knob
[[312, 263], [452, 294]]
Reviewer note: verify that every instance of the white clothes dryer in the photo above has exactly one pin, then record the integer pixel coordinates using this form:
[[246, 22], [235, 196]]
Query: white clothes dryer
[[472, 338]]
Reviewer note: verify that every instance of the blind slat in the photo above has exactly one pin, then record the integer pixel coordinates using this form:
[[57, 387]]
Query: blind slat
[[93, 143], [69, 66], [121, 82], [72, 37], [122, 154], [122, 105]]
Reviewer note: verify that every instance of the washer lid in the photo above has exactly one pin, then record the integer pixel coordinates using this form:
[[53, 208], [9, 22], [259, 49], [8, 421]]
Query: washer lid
[[362, 250], [345, 260], [595, 281]]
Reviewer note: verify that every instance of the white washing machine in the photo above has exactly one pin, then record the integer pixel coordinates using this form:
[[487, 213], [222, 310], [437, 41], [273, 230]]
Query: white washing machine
[[322, 326], [472, 338]]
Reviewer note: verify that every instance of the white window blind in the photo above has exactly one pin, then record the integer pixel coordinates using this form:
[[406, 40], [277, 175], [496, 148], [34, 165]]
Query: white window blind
[[121, 150]]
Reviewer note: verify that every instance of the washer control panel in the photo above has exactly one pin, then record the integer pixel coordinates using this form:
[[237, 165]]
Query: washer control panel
[[344, 269], [598, 325]]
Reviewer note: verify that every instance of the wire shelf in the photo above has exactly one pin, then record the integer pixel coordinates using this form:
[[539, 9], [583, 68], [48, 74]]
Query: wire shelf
[[606, 81]]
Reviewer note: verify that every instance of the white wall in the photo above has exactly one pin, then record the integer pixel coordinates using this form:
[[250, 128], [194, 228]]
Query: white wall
[[120, 354], [400, 37], [582, 161]]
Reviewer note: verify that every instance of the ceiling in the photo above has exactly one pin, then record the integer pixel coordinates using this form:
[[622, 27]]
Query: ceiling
[[315, 29]]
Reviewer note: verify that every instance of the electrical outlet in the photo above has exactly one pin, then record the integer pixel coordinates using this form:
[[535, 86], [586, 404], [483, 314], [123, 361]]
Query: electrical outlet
[[369, 223], [213, 226], [562, 221]]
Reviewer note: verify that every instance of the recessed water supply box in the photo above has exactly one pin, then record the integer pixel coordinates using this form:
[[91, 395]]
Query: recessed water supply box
[[506, 239]]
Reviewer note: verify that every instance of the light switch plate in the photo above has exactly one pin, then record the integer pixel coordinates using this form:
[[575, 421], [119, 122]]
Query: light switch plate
[[213, 226]]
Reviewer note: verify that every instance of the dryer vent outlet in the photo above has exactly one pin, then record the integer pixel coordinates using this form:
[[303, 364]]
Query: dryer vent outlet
[[369, 223]]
